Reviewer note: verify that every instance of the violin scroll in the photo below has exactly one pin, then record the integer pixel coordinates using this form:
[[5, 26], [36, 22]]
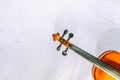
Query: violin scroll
[[57, 37]]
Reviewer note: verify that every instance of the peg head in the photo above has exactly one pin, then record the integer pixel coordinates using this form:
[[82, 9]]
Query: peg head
[[71, 35], [64, 53]]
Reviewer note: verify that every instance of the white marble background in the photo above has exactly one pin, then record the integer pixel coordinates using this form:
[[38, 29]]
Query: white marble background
[[27, 51]]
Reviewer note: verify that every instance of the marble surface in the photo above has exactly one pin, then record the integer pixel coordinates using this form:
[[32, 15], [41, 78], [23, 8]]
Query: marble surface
[[27, 51]]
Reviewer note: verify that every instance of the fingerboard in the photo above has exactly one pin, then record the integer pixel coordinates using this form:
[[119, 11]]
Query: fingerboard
[[97, 62]]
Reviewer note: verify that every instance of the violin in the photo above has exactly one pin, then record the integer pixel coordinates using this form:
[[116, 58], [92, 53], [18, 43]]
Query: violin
[[105, 67]]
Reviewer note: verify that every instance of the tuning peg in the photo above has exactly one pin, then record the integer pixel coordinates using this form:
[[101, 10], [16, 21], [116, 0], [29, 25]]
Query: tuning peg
[[70, 36], [65, 32], [59, 47], [65, 51]]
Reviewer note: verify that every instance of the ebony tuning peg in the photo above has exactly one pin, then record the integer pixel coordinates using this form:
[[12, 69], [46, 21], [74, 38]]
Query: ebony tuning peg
[[70, 36], [65, 32], [65, 51]]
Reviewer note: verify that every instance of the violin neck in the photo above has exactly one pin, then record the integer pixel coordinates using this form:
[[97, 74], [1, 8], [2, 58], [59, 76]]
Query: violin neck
[[97, 62]]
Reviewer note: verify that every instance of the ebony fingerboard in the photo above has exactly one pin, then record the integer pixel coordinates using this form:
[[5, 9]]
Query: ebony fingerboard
[[97, 62]]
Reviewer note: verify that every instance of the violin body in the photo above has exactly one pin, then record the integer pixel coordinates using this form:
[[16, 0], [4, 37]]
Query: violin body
[[110, 57]]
